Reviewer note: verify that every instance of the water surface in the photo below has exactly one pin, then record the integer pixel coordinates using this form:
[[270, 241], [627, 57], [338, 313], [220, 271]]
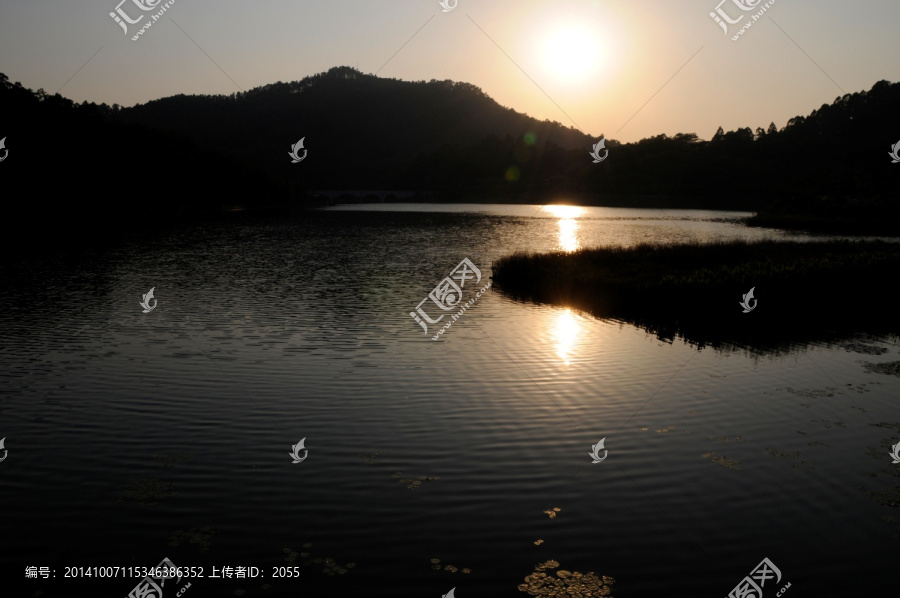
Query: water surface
[[132, 434]]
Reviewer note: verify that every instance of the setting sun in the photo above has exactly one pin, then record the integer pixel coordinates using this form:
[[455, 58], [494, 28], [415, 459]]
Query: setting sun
[[571, 53]]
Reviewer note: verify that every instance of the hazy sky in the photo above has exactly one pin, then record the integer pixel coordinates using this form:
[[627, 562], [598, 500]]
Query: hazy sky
[[599, 61]]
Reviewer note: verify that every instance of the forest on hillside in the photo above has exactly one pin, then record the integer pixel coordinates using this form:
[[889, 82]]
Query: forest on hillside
[[446, 140]]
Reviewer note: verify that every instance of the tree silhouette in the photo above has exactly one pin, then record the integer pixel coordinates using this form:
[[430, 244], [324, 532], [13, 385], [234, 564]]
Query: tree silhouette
[[444, 139]]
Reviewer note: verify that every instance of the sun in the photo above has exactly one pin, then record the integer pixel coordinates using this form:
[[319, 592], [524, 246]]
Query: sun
[[571, 53]]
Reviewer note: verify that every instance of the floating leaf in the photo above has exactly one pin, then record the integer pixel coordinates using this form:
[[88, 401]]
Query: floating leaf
[[201, 536], [148, 492], [723, 461], [565, 583]]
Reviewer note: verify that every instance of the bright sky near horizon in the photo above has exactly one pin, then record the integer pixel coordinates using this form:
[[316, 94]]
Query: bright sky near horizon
[[628, 69]]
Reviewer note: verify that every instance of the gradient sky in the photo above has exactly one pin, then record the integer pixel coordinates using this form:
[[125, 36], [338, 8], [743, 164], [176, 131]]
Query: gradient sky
[[623, 54]]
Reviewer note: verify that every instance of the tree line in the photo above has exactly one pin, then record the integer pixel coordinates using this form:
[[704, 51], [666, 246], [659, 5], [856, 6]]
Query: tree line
[[446, 140]]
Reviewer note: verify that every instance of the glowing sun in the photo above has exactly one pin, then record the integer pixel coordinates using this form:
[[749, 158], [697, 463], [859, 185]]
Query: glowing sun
[[571, 53]]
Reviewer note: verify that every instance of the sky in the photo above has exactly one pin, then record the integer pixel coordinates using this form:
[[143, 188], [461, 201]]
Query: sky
[[627, 69]]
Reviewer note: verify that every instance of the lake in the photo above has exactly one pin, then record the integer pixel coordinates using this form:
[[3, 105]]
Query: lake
[[427, 465]]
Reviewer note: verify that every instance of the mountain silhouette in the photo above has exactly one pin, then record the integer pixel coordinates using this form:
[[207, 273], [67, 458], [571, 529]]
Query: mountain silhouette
[[109, 166], [361, 130]]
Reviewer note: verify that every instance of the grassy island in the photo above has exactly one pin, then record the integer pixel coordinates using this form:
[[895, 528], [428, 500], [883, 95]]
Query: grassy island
[[805, 291]]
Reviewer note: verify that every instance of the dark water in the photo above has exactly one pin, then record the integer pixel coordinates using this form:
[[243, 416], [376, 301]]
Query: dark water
[[132, 437]]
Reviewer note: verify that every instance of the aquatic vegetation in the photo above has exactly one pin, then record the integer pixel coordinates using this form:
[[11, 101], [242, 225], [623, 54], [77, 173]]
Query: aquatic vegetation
[[891, 368], [861, 388], [437, 566], [828, 423], [169, 460], [538, 542], [811, 393], [664, 430], [326, 565], [725, 438], [888, 425], [795, 456], [565, 583], [552, 512], [370, 459], [201, 536], [414, 483], [147, 492], [723, 461], [864, 349]]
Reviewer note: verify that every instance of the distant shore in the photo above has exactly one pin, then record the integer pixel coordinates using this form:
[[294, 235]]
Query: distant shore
[[885, 227], [883, 223]]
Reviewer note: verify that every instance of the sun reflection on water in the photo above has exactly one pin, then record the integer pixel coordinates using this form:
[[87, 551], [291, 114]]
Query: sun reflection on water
[[568, 234], [568, 226], [566, 334]]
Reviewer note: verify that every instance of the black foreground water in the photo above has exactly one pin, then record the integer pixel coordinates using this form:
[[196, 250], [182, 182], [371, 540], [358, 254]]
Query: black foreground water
[[133, 437]]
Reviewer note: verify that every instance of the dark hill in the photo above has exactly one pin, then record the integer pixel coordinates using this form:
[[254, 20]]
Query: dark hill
[[360, 130], [368, 132]]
